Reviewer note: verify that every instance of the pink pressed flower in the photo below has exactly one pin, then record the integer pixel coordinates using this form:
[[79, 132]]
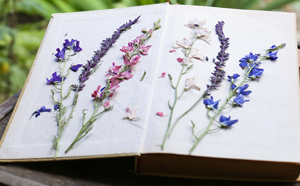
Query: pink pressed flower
[[161, 114], [171, 51], [144, 49], [195, 23], [163, 74], [115, 80], [190, 83], [128, 48], [150, 31], [180, 59], [126, 75], [130, 114], [113, 70], [106, 104], [132, 61], [185, 43], [112, 90], [96, 94]]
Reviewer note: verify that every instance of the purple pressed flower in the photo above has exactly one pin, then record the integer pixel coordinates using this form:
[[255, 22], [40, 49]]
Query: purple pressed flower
[[210, 104], [56, 107], [233, 77], [74, 87], [233, 86], [69, 44], [244, 65], [241, 90], [77, 48], [239, 100], [38, 112], [74, 68], [219, 73], [55, 79], [60, 55], [226, 122], [255, 73]]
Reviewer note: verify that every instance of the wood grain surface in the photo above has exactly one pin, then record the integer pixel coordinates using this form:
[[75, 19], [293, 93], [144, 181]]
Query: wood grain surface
[[94, 172]]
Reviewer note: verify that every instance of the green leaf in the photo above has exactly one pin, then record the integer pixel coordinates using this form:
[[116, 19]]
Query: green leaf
[[90, 4], [63, 6]]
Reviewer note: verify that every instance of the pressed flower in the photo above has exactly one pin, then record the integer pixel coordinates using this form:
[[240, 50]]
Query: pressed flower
[[77, 48], [203, 34], [74, 68], [127, 49], [161, 114], [97, 93], [130, 113], [163, 75], [179, 59], [195, 23], [255, 73], [195, 54], [239, 100], [38, 112], [171, 51], [144, 49], [233, 77], [184, 61], [69, 44], [60, 55], [241, 90], [272, 55], [106, 104], [55, 79], [190, 83], [184, 43], [226, 122], [210, 103], [56, 107], [249, 58], [126, 75], [113, 70]]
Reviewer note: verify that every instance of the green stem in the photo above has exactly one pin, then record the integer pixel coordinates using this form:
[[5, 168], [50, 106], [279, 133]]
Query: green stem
[[175, 101]]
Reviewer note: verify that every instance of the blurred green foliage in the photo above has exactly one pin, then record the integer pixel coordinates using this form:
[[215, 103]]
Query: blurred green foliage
[[23, 24]]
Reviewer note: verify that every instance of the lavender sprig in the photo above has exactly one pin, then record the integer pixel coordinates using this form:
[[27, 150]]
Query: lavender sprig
[[218, 74], [89, 68]]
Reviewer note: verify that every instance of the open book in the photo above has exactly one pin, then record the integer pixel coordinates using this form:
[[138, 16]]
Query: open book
[[266, 136]]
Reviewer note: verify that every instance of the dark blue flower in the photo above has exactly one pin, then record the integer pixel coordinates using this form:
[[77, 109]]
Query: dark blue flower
[[38, 112], [74, 68], [210, 103], [249, 58], [241, 90], [77, 48], [273, 47], [233, 77], [272, 55], [56, 107], [255, 73], [55, 79], [69, 44], [226, 122], [60, 55], [239, 100]]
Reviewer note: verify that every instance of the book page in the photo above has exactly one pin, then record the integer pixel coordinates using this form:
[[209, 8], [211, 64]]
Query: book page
[[31, 138], [268, 125]]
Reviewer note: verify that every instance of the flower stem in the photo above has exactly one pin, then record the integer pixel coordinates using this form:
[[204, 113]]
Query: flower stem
[[172, 109]]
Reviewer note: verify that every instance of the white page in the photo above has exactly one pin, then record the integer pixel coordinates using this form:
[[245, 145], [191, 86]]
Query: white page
[[111, 135], [268, 127]]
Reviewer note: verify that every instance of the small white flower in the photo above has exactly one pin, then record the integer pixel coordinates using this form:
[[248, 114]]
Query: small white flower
[[203, 33], [184, 43], [190, 83], [195, 23], [195, 54], [130, 114]]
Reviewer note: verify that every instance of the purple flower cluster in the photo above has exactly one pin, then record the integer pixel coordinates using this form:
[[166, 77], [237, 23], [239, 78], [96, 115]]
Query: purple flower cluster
[[219, 73], [55, 79], [105, 46], [68, 45]]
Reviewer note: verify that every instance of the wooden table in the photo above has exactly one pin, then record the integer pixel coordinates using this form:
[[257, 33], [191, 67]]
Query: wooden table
[[108, 171]]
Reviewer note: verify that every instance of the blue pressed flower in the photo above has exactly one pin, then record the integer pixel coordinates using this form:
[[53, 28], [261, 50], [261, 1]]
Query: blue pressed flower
[[249, 58], [244, 65], [60, 55], [233, 77], [226, 122], [239, 100], [210, 103], [102, 89], [38, 112], [256, 73], [77, 48], [272, 55], [273, 47], [55, 79], [233, 86], [241, 90], [69, 44], [56, 107], [74, 68]]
